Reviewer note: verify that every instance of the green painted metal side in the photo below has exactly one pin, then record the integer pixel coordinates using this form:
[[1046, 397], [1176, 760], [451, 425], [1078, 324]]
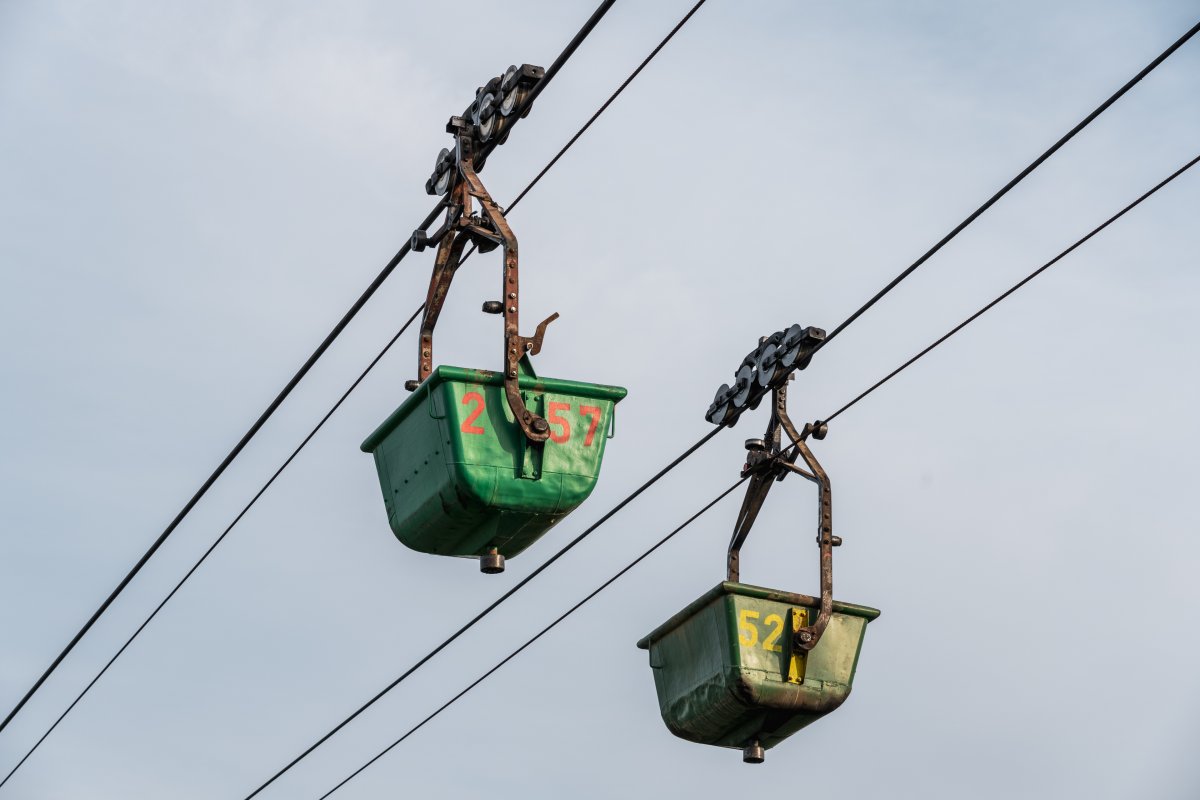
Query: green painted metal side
[[716, 688], [458, 476]]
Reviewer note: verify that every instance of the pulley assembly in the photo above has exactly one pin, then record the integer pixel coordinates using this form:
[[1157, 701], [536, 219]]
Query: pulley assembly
[[479, 463], [768, 365], [745, 666]]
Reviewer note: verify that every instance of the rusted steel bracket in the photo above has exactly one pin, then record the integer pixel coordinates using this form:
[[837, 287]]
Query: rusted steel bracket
[[487, 231], [767, 462]]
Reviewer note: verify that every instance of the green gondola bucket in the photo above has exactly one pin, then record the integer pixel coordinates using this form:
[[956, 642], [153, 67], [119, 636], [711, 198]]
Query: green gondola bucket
[[724, 674], [459, 478]]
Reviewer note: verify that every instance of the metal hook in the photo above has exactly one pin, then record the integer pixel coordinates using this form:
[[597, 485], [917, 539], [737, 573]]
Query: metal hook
[[534, 345]]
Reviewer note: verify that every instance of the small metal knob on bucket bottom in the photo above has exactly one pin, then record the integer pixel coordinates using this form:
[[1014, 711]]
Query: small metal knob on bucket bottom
[[491, 563]]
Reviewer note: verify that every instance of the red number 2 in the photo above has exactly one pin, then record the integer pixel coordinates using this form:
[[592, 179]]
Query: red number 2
[[594, 413], [554, 418], [469, 425]]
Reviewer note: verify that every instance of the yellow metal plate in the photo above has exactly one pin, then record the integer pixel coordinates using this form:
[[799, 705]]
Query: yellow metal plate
[[796, 664]]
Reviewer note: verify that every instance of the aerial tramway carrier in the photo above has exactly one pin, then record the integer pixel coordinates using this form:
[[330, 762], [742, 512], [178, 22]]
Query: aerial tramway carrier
[[480, 463], [744, 666]]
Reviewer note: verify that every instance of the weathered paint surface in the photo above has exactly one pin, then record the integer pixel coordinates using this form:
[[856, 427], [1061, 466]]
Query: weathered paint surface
[[458, 475], [725, 674]]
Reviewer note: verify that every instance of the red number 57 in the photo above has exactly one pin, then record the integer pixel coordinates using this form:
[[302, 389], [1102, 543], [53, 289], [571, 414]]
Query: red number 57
[[563, 434]]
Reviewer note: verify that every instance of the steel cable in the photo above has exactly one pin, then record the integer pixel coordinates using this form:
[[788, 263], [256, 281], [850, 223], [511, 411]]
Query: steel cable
[[1037, 162], [494, 605], [569, 50], [551, 71], [538, 635], [958, 229], [1016, 286], [210, 549], [428, 221], [229, 458], [400, 255], [704, 440], [720, 497]]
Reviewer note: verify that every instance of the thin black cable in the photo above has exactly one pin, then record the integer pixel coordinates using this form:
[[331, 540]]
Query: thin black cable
[[604, 107], [1041, 159], [581, 536], [494, 605], [554, 68], [237, 449], [1017, 286], [404, 251], [213, 546], [1008, 186], [608, 102], [1145, 196], [662, 541], [538, 635]]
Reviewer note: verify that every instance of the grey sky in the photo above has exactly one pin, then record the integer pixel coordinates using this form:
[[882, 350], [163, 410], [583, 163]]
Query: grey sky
[[191, 195]]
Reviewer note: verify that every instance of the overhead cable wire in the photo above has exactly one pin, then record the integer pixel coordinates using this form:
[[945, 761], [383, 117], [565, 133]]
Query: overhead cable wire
[[551, 71], [210, 550], [539, 635], [342, 399], [1145, 196], [429, 219], [494, 605], [1016, 286], [1037, 162], [229, 458], [475, 620], [584, 128], [704, 440], [357, 306], [604, 106]]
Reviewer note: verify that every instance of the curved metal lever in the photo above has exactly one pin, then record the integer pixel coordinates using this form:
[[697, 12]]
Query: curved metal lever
[[534, 345]]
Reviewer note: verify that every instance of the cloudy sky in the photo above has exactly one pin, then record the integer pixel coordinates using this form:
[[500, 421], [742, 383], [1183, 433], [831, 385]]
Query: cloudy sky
[[192, 194]]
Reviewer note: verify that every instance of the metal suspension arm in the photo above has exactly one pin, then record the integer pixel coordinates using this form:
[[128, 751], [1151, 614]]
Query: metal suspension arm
[[449, 255], [756, 493], [492, 230], [807, 637], [536, 428], [768, 462]]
